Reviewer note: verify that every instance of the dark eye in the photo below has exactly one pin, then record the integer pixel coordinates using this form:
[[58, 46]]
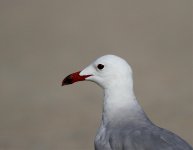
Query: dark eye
[[100, 66]]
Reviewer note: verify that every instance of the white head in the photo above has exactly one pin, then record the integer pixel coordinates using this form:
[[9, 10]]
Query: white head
[[107, 71], [114, 75]]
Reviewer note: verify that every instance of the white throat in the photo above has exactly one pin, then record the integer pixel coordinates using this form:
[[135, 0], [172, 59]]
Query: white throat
[[120, 105]]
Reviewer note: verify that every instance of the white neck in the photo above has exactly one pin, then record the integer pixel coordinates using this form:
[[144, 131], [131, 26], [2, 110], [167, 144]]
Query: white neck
[[120, 105]]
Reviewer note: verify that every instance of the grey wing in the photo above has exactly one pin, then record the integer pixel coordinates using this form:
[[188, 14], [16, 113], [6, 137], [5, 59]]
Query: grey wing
[[148, 139]]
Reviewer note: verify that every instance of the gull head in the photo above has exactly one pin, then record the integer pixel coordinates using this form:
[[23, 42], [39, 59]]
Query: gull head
[[107, 71]]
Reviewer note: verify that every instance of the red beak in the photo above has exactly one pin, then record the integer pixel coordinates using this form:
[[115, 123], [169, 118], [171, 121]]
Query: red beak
[[74, 77]]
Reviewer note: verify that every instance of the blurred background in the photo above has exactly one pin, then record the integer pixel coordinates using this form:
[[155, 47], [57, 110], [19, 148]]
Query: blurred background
[[42, 41]]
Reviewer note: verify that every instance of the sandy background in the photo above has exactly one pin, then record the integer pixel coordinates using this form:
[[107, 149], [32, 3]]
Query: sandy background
[[42, 41]]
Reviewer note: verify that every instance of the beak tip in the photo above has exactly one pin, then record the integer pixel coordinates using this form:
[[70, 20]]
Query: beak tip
[[67, 80], [65, 83], [72, 78], [62, 83]]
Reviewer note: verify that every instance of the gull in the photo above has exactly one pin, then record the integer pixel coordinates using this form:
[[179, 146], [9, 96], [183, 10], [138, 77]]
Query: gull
[[124, 124]]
